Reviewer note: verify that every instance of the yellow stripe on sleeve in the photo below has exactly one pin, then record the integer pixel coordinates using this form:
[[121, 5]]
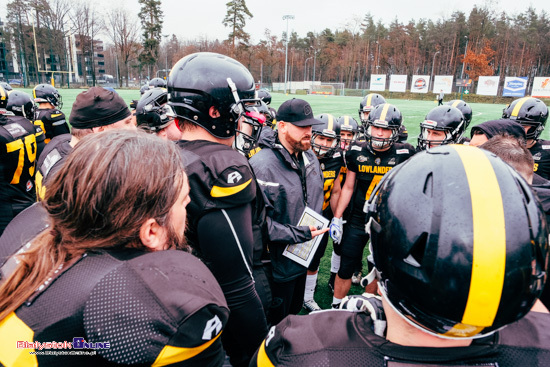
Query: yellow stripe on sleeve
[[489, 247], [12, 330], [170, 354], [219, 192], [263, 359]]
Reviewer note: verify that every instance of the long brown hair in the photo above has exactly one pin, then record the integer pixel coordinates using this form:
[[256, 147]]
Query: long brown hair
[[111, 183]]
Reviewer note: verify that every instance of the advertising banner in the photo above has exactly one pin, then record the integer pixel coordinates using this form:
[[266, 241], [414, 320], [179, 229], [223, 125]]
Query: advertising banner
[[398, 83], [541, 87], [514, 86], [420, 83], [444, 82], [487, 85], [378, 82]]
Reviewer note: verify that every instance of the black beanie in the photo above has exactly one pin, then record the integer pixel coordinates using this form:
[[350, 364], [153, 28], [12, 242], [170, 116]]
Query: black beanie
[[495, 127], [98, 107]]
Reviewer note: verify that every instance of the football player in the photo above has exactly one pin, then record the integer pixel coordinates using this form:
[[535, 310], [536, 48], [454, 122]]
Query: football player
[[366, 105], [461, 253], [442, 125], [19, 150], [532, 114], [154, 115], [347, 130], [367, 164], [157, 83], [204, 88], [88, 265], [8, 88], [48, 115], [325, 144]]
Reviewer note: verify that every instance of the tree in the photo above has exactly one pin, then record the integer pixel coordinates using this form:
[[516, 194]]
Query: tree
[[151, 19], [123, 30], [479, 64], [235, 20]]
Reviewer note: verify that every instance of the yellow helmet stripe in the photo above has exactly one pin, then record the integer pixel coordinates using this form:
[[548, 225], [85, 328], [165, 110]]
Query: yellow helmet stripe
[[346, 120], [330, 122], [384, 112], [3, 94], [518, 105], [34, 92], [455, 103], [369, 100], [489, 252], [219, 192]]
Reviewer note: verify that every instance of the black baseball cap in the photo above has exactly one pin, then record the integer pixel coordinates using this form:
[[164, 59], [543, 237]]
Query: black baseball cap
[[298, 112]]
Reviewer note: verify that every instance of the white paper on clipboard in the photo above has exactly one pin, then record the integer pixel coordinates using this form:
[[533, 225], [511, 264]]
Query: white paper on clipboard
[[303, 253]]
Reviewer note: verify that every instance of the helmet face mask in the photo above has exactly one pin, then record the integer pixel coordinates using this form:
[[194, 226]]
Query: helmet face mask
[[447, 119], [484, 263], [346, 129], [250, 123], [324, 138], [152, 111], [384, 116], [529, 112]]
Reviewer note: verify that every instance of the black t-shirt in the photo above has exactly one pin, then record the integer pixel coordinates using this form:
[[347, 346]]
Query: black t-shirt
[[541, 155], [370, 166]]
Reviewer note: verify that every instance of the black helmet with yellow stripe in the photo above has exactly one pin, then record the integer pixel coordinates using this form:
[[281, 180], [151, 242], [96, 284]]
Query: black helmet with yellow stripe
[[326, 132], [530, 112], [464, 108], [367, 104], [459, 240], [385, 116]]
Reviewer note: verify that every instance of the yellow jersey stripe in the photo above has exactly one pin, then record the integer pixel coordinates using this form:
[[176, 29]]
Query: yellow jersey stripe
[[219, 192], [12, 330], [489, 248], [384, 112], [55, 115], [263, 359], [170, 354], [518, 105]]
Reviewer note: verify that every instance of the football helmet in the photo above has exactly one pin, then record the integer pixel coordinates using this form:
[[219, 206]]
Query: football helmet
[[3, 98], [385, 116], [366, 105], [328, 129], [265, 96], [21, 104], [157, 83], [144, 88], [464, 108], [44, 93], [448, 119], [529, 112], [202, 80], [6, 86], [152, 111], [459, 241]]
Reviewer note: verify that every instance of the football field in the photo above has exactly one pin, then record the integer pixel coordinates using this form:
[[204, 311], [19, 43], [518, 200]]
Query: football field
[[413, 111]]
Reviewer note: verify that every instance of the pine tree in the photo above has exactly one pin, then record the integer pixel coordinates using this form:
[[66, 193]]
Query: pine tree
[[151, 19], [235, 19]]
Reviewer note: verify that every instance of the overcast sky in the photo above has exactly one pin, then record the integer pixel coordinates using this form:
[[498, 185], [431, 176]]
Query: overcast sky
[[203, 18]]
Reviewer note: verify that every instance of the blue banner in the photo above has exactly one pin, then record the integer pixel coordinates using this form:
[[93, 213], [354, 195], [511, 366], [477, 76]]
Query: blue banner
[[514, 86]]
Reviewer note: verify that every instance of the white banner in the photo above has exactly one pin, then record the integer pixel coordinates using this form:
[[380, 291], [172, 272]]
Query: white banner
[[398, 83], [487, 85], [541, 87], [443, 82], [378, 82], [420, 83]]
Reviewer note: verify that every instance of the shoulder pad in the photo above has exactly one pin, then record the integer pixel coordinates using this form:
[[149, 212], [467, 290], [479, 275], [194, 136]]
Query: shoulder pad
[[164, 297], [51, 159], [16, 130]]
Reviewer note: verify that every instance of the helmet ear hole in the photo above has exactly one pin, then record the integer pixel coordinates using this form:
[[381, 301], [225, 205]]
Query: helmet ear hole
[[428, 185], [417, 251]]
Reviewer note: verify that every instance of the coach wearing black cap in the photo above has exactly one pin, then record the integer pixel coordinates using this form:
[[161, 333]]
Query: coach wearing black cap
[[290, 176], [94, 110]]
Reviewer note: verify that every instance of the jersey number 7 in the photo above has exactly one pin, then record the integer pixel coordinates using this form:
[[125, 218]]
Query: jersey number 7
[[18, 144]]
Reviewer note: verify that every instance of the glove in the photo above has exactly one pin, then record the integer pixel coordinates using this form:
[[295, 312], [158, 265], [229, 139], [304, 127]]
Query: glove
[[370, 304], [337, 229]]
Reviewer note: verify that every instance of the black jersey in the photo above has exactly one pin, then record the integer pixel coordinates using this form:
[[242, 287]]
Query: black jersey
[[370, 166], [50, 161], [541, 155], [52, 121], [18, 153], [342, 338], [331, 167]]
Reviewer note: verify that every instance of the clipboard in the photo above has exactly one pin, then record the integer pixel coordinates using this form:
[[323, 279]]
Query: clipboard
[[303, 253]]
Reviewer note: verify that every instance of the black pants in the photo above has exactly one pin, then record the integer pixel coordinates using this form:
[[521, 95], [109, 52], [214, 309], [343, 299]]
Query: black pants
[[288, 296], [439, 102]]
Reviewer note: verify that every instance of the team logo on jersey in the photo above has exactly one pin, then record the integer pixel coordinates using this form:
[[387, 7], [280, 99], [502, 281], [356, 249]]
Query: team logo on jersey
[[362, 159], [377, 160], [391, 161], [234, 177], [537, 156], [322, 166], [212, 328], [29, 185]]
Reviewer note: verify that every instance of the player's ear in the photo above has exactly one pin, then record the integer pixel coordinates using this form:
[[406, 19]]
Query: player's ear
[[213, 112], [153, 235]]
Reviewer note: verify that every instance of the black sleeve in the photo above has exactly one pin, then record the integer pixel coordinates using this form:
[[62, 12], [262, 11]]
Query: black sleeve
[[226, 243]]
